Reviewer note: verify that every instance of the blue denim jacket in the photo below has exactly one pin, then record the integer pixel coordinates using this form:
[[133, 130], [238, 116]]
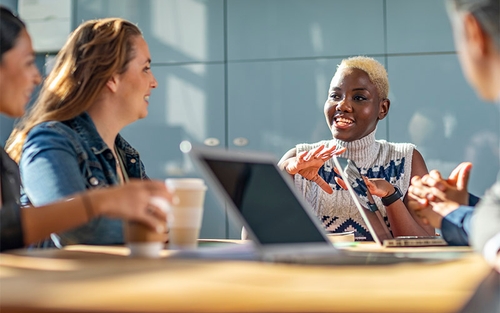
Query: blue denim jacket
[[62, 158]]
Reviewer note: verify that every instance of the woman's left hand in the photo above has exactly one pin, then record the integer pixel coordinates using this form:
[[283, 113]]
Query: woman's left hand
[[379, 187], [308, 163]]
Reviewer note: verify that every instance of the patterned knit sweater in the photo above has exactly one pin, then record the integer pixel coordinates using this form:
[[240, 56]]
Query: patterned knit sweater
[[375, 159]]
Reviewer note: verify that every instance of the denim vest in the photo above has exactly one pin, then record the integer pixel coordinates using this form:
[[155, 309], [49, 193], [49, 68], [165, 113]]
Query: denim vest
[[62, 158]]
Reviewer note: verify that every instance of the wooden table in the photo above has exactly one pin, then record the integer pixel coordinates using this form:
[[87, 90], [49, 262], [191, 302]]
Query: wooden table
[[104, 279]]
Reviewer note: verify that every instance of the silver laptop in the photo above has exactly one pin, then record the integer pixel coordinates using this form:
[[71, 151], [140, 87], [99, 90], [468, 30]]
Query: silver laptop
[[279, 221], [371, 214]]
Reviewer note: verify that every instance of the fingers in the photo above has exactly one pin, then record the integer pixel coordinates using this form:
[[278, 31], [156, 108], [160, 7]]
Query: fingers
[[322, 153], [302, 156], [418, 194], [426, 188], [154, 187], [463, 176], [341, 182], [434, 179], [339, 151], [315, 153], [154, 218], [368, 183], [454, 174], [322, 184], [336, 170]]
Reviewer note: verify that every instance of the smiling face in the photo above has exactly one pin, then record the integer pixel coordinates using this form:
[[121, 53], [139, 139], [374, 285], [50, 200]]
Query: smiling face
[[353, 107], [18, 76], [136, 82]]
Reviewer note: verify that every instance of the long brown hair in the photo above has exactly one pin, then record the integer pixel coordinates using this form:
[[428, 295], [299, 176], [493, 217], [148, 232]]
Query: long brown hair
[[94, 52]]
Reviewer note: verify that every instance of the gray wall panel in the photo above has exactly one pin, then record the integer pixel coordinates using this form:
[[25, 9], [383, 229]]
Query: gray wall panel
[[261, 29], [434, 108], [176, 30], [418, 26]]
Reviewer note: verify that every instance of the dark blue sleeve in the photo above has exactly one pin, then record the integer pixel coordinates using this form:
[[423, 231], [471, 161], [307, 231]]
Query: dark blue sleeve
[[473, 200], [455, 226]]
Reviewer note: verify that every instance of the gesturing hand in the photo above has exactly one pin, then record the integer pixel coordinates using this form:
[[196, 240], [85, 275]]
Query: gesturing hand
[[376, 186], [308, 163], [443, 196]]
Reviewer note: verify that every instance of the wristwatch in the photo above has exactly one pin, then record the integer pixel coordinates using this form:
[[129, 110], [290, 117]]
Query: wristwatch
[[390, 199]]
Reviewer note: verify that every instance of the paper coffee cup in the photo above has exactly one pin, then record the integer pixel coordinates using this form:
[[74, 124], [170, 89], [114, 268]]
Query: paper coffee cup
[[186, 215], [342, 237], [142, 240]]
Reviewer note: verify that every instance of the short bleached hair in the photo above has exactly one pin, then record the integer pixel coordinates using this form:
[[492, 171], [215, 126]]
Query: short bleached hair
[[376, 72]]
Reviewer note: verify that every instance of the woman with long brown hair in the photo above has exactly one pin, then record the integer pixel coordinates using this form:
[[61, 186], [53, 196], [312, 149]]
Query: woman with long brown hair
[[69, 141], [23, 226]]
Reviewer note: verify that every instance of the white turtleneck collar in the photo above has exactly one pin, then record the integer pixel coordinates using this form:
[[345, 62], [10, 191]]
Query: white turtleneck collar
[[364, 149]]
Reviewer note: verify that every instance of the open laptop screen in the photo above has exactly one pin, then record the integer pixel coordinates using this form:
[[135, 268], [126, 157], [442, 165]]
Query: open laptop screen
[[265, 201]]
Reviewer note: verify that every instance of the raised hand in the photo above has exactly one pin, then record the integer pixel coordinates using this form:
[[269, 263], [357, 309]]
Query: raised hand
[[443, 196], [454, 188], [433, 188], [426, 213], [308, 163], [376, 186]]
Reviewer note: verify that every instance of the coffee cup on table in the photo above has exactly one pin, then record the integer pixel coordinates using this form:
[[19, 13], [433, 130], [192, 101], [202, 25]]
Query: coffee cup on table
[[185, 214], [142, 240]]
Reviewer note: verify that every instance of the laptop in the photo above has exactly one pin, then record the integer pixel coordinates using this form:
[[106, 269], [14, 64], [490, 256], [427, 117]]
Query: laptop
[[371, 214], [280, 223]]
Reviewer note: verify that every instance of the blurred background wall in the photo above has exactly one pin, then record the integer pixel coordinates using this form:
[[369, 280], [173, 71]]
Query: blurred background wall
[[254, 75]]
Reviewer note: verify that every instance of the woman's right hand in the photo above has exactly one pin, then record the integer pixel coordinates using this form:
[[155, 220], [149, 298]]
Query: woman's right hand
[[132, 201], [308, 163]]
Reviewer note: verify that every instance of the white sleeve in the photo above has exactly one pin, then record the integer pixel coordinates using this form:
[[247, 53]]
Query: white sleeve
[[491, 249]]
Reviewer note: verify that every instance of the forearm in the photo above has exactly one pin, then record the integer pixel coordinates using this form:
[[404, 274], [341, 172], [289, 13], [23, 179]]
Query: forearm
[[403, 223], [39, 222]]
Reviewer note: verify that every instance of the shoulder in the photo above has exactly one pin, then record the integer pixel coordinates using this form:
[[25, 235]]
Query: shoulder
[[51, 128], [49, 135], [418, 166]]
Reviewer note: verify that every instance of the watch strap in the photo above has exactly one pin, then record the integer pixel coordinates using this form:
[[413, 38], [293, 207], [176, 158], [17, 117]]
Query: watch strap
[[390, 199]]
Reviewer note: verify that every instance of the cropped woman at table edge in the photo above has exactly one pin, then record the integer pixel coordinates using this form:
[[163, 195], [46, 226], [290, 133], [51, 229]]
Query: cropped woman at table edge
[[476, 32], [23, 226]]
